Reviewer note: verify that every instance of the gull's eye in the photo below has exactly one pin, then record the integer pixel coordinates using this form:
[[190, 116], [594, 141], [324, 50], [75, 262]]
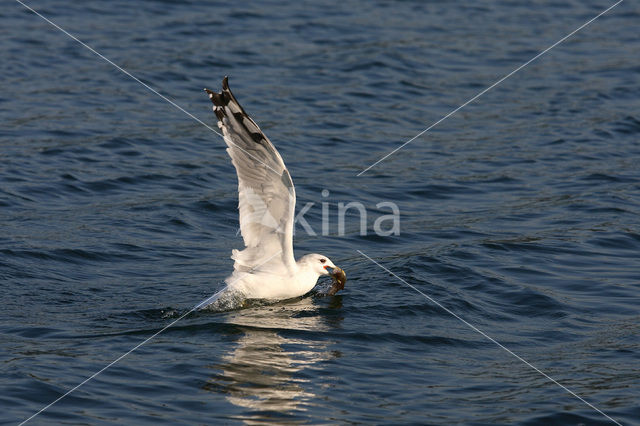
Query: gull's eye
[[323, 260]]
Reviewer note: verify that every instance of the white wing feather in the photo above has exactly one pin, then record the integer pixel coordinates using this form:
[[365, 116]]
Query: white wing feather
[[266, 196]]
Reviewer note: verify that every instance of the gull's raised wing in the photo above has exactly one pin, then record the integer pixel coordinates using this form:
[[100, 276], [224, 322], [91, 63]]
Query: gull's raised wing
[[266, 196]]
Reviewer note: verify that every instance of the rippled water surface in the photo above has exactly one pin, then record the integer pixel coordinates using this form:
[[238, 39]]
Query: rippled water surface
[[519, 214]]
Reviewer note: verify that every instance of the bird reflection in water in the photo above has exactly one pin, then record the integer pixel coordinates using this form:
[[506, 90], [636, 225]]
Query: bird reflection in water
[[262, 374]]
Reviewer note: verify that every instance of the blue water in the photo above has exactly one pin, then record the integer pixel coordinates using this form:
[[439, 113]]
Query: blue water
[[520, 213]]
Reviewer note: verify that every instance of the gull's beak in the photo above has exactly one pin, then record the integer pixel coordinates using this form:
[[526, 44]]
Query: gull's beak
[[339, 279]]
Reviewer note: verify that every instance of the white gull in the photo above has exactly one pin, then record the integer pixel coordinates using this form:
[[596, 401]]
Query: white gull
[[266, 267]]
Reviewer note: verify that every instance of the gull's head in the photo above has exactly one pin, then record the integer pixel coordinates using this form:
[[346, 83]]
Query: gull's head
[[320, 264]]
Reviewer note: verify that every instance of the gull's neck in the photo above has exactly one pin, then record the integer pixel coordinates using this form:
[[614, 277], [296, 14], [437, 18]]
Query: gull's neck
[[305, 277]]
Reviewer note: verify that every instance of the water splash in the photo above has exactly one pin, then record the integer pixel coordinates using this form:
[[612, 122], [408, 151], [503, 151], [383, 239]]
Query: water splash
[[224, 300]]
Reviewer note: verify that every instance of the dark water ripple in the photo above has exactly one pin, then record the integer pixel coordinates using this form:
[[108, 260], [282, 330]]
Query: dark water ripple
[[520, 213]]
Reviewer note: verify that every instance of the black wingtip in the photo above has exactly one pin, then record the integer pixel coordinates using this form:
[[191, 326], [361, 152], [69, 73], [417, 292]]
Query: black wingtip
[[218, 99], [222, 98]]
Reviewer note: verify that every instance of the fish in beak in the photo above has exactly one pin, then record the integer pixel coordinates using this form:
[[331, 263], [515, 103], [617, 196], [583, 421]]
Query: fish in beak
[[339, 278]]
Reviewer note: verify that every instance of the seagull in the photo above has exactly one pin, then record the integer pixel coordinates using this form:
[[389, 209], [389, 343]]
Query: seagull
[[266, 268]]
